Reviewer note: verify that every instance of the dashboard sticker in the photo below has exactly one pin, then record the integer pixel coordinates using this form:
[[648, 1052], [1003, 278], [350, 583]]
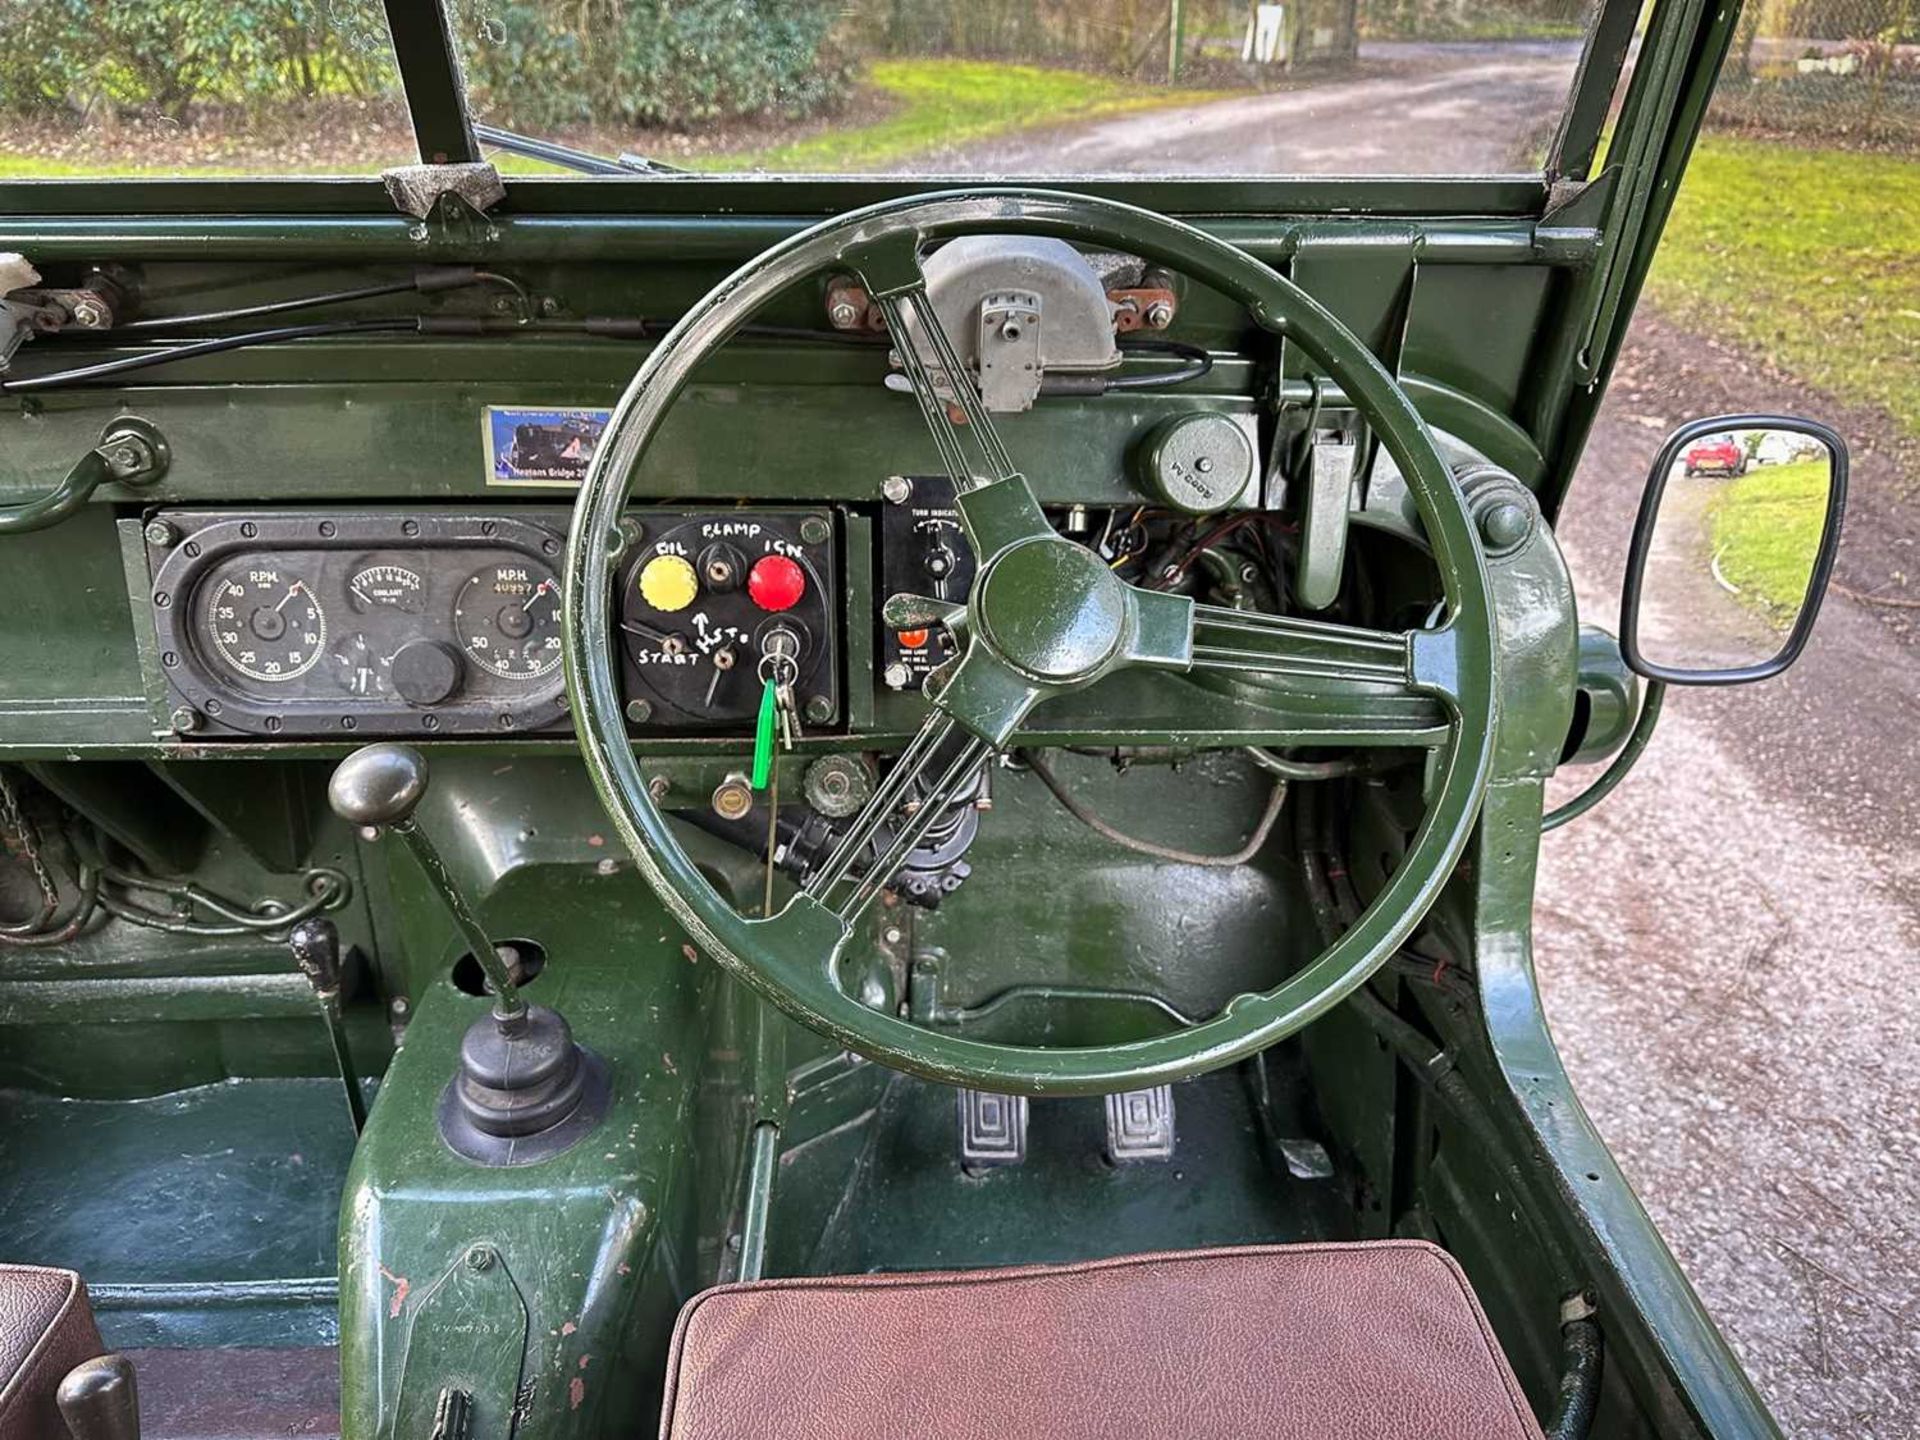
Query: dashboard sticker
[[548, 448]]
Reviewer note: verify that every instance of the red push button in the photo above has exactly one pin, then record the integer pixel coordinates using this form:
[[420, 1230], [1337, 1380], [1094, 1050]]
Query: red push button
[[776, 583]]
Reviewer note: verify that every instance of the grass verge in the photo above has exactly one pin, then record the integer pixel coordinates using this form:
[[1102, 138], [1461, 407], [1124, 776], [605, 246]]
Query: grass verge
[[1765, 529], [1810, 258]]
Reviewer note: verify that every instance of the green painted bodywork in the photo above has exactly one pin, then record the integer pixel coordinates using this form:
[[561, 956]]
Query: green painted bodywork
[[738, 1142]]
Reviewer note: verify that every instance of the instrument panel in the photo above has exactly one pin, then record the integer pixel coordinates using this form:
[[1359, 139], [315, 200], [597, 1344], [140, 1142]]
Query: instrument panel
[[397, 622], [384, 622]]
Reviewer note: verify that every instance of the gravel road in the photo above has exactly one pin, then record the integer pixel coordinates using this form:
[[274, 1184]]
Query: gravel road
[[1727, 944], [1419, 109]]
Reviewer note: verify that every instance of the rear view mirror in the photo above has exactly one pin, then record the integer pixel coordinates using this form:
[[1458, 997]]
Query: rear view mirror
[[1733, 548]]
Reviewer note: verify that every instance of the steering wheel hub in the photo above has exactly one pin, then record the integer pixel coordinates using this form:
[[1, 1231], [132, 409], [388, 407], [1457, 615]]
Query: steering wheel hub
[[1053, 610]]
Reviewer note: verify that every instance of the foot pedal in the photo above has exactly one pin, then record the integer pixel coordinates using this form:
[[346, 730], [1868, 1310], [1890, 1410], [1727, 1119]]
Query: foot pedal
[[993, 1129], [1140, 1125]]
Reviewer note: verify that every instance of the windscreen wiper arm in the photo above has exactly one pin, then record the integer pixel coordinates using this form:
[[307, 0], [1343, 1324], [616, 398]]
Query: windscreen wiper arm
[[568, 158]]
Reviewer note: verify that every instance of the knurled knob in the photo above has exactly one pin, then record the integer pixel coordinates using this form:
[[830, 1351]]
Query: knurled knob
[[668, 583]]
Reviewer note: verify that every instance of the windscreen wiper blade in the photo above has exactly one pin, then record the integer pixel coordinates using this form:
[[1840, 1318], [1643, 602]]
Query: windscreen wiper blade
[[565, 156]]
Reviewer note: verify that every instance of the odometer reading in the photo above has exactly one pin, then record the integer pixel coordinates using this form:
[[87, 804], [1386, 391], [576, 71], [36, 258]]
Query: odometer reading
[[265, 622], [507, 619]]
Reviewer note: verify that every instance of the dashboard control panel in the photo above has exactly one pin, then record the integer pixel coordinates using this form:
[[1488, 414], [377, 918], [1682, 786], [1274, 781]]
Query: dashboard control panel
[[713, 604], [380, 622], [923, 551]]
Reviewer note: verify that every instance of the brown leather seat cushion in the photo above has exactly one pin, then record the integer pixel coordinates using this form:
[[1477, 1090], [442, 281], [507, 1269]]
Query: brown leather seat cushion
[[46, 1328], [1376, 1341]]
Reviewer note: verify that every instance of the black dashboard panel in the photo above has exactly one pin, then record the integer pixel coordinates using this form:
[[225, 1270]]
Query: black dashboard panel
[[388, 622]]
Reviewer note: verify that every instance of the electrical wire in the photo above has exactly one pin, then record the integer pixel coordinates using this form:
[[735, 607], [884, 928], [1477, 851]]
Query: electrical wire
[[427, 281], [1199, 365], [59, 379], [1072, 805]]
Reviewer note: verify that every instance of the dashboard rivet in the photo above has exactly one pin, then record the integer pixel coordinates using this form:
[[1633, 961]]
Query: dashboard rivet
[[814, 530], [159, 532], [639, 711]]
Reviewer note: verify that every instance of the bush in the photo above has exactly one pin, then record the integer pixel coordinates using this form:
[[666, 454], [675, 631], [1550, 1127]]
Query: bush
[[163, 55], [545, 63]]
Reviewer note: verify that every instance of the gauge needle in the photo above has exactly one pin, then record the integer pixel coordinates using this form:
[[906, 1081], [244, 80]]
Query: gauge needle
[[541, 589], [292, 590], [365, 599]]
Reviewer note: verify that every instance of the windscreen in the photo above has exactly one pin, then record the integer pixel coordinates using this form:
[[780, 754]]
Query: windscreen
[[183, 88], [1032, 87]]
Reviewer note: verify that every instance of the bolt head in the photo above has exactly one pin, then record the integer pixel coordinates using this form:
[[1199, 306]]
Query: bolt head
[[844, 314], [1159, 315], [607, 865], [480, 1257], [91, 313], [159, 532], [639, 711], [658, 788], [819, 710], [814, 530], [896, 677], [1505, 524], [895, 489], [185, 720]]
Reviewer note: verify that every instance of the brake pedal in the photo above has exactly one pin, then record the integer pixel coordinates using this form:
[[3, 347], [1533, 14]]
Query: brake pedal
[[1140, 1125], [993, 1130]]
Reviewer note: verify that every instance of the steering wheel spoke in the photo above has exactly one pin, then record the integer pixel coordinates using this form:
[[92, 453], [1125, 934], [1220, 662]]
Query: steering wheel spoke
[[894, 822]]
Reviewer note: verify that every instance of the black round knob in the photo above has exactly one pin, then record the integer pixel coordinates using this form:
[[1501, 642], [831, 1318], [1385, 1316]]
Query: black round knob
[[425, 672], [378, 785]]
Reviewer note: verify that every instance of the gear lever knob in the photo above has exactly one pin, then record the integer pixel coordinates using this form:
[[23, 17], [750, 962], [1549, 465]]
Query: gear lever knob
[[378, 785], [99, 1401]]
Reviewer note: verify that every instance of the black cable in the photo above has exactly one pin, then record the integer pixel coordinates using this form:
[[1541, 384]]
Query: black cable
[[1199, 365], [426, 281], [61, 378], [1093, 822]]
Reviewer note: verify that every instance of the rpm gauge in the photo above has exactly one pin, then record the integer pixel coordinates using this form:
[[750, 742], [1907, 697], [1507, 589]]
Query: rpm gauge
[[507, 619], [265, 621]]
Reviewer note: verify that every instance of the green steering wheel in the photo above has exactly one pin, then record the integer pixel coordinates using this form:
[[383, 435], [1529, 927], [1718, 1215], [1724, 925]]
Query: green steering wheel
[[1045, 617]]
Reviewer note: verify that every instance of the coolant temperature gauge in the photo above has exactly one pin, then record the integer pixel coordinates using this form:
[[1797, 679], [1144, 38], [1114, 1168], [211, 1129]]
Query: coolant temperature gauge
[[507, 619]]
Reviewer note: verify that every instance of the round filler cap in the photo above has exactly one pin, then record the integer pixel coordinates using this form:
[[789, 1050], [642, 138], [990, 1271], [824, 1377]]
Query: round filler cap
[[1197, 463]]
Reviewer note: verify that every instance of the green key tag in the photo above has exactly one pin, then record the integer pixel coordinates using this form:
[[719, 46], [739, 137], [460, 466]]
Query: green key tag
[[763, 737]]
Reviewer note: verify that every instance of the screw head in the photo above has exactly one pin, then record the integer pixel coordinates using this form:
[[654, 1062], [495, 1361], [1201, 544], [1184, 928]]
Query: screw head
[[814, 530], [606, 865], [819, 710], [658, 788], [733, 798], [159, 532], [639, 711]]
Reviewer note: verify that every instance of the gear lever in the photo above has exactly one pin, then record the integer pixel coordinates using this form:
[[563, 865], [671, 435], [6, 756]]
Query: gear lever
[[524, 1090], [99, 1401]]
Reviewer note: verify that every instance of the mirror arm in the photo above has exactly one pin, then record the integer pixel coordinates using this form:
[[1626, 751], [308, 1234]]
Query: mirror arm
[[1629, 755]]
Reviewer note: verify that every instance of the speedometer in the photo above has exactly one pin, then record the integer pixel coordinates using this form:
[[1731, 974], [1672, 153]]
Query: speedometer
[[507, 619], [265, 621]]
